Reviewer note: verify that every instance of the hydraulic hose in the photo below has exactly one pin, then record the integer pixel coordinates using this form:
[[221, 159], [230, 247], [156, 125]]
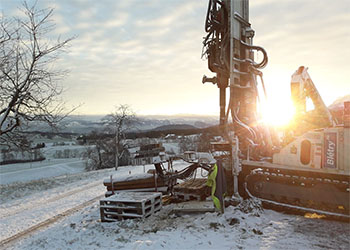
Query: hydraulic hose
[[264, 62]]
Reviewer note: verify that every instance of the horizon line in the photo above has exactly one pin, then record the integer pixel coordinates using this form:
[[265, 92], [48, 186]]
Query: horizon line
[[155, 115]]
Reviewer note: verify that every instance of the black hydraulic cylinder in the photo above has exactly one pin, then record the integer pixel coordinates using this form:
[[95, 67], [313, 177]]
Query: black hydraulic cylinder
[[222, 105]]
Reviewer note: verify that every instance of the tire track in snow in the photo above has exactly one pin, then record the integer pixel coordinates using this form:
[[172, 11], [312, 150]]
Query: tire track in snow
[[47, 222], [55, 198]]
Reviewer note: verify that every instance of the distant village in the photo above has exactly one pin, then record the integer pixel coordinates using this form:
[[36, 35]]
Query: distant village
[[138, 151]]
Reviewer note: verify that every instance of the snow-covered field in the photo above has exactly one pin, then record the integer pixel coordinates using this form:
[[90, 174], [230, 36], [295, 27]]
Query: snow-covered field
[[246, 227], [24, 172], [172, 147], [51, 167]]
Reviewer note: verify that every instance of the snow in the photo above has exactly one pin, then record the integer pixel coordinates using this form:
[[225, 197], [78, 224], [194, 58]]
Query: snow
[[244, 227], [129, 177], [51, 167], [140, 172], [132, 196], [24, 172], [232, 230], [171, 147]]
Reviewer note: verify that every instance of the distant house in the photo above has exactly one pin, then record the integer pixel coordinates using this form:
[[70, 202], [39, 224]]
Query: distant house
[[149, 154], [170, 137], [81, 140], [127, 156]]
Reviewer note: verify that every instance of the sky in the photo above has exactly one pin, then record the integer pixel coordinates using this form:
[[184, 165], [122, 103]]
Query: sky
[[147, 53]]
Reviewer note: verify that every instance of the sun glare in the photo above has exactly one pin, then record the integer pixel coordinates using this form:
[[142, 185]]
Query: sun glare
[[278, 113]]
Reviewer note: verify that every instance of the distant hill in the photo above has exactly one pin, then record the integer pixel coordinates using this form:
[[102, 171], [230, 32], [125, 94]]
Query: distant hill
[[337, 108], [339, 103], [84, 124], [174, 127]]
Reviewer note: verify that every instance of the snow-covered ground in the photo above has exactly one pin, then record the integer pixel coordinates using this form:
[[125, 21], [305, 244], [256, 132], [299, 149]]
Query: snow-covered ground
[[232, 230], [24, 172], [172, 147], [26, 204], [51, 167]]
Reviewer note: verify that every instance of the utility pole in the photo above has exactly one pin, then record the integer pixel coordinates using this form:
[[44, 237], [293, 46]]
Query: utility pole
[[116, 149]]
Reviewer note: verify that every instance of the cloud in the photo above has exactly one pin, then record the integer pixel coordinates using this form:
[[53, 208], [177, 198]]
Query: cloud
[[137, 51], [51, 4], [169, 18], [311, 33], [83, 25], [116, 21], [17, 13], [87, 13], [154, 33], [61, 26]]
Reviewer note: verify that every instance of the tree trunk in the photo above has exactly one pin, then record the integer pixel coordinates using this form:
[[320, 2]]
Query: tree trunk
[[99, 159]]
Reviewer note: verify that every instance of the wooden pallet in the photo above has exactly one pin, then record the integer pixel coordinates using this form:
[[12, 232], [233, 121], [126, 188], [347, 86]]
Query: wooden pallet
[[192, 190], [188, 197], [163, 190], [146, 182], [128, 205]]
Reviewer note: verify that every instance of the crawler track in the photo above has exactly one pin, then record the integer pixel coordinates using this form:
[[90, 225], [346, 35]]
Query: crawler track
[[300, 194], [46, 222]]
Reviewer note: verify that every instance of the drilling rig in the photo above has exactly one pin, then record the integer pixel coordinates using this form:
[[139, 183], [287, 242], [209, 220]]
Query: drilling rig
[[310, 170], [306, 171]]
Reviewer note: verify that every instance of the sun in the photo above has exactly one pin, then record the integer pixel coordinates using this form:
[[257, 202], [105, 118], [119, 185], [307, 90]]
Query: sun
[[277, 112]]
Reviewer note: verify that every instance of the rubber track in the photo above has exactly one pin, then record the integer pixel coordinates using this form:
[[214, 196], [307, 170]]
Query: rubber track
[[58, 197], [47, 222]]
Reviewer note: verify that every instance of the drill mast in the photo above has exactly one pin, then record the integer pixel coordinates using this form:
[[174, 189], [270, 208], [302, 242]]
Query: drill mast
[[230, 52]]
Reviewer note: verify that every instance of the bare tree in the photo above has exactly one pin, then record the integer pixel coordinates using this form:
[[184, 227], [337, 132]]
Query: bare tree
[[28, 81], [187, 144], [94, 155], [118, 122]]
